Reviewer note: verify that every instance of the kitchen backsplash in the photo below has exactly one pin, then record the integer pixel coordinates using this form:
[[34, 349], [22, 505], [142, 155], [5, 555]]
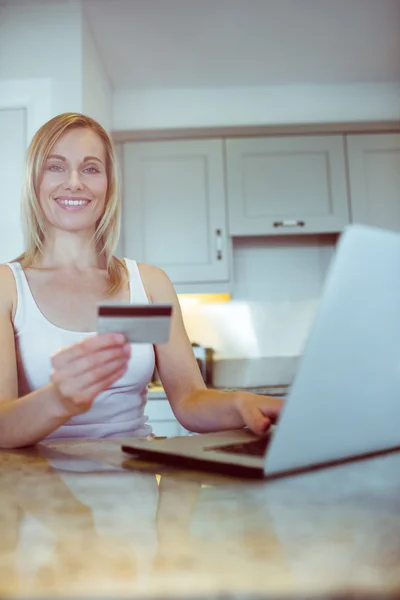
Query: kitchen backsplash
[[281, 269], [277, 286], [250, 329]]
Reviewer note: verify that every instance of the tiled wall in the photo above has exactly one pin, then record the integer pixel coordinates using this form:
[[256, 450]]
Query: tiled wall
[[280, 269], [277, 286]]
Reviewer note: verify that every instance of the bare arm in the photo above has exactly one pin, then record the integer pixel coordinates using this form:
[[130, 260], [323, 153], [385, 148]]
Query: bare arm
[[23, 421], [197, 408], [80, 373]]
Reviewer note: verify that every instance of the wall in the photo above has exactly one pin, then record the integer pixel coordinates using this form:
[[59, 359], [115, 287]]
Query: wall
[[48, 65], [51, 42], [159, 109], [281, 280], [280, 269], [277, 284], [43, 40], [32, 95], [97, 92], [12, 155]]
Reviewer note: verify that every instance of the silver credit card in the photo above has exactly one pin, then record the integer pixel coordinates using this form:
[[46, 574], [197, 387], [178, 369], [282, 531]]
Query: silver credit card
[[140, 323]]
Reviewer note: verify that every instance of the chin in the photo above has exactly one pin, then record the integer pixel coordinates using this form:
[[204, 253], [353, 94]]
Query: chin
[[75, 220], [75, 225]]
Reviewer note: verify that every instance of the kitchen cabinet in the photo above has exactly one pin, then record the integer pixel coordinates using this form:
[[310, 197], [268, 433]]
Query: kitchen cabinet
[[174, 213], [161, 416], [281, 185], [374, 176]]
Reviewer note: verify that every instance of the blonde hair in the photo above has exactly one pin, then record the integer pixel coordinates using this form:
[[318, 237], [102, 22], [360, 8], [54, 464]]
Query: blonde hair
[[33, 220]]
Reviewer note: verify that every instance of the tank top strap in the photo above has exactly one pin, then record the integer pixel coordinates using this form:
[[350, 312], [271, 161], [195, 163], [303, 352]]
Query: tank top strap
[[137, 291], [24, 295]]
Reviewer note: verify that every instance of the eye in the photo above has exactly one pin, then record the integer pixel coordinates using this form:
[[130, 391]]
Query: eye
[[91, 169], [55, 168]]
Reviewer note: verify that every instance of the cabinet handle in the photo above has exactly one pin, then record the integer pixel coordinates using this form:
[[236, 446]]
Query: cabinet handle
[[218, 233], [289, 223]]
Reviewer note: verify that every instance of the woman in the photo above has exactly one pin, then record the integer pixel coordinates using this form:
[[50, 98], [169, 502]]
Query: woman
[[58, 378]]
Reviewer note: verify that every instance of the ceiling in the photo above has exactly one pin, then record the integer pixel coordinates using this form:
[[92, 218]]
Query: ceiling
[[197, 43], [220, 43]]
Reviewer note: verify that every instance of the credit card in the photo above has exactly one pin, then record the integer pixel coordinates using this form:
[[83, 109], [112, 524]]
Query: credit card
[[140, 323]]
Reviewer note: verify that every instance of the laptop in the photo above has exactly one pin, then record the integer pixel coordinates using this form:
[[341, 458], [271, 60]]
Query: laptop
[[344, 401]]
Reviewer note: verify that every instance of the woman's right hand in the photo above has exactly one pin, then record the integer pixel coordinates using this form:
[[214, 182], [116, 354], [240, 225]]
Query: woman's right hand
[[83, 370]]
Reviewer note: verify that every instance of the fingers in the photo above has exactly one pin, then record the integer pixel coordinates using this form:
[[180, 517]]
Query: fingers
[[270, 406], [87, 347], [259, 412], [82, 371], [74, 377], [258, 422], [83, 397], [92, 362], [77, 398]]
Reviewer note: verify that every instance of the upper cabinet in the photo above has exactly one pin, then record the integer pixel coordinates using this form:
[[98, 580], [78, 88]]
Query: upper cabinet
[[374, 174], [174, 213], [183, 200], [281, 185]]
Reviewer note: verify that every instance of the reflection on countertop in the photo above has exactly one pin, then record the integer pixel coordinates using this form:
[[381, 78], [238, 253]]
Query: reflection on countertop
[[82, 519]]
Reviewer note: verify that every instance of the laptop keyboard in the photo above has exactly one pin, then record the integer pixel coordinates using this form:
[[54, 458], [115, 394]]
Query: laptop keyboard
[[253, 448]]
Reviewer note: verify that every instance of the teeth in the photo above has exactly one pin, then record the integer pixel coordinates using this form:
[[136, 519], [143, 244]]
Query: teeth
[[74, 202]]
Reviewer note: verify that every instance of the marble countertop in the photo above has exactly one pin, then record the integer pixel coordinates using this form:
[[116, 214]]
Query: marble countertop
[[81, 519]]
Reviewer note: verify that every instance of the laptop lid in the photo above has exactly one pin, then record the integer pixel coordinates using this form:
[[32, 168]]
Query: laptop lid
[[345, 398]]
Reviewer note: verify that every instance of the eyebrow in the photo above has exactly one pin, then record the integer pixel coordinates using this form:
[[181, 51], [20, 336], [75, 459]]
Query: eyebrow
[[86, 159], [57, 156]]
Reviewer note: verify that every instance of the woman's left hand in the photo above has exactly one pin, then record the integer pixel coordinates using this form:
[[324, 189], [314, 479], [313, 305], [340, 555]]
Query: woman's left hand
[[258, 412]]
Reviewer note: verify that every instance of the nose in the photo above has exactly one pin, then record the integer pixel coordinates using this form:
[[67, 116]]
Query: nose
[[73, 181]]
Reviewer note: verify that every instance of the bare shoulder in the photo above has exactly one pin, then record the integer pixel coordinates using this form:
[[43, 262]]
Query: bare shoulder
[[8, 294], [152, 273], [156, 282]]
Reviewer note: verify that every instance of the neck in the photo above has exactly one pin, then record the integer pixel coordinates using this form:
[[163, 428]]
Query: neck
[[71, 249]]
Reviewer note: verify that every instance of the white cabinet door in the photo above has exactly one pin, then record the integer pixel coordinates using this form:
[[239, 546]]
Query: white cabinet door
[[12, 156], [281, 185], [374, 174], [166, 428], [174, 213], [162, 418]]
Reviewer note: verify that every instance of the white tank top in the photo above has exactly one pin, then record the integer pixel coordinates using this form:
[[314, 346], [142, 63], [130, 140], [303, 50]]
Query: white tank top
[[116, 412]]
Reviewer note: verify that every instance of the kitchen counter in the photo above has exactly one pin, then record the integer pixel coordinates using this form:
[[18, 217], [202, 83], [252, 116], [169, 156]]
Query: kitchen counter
[[81, 519], [157, 391]]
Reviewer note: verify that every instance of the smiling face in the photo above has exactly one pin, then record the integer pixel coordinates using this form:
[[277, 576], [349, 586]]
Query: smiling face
[[73, 185]]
